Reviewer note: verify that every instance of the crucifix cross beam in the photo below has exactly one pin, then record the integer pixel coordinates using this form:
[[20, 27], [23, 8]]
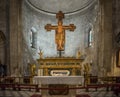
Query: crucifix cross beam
[[60, 31]]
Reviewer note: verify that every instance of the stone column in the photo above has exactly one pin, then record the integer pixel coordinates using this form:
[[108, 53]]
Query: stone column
[[3, 30], [15, 35], [105, 39]]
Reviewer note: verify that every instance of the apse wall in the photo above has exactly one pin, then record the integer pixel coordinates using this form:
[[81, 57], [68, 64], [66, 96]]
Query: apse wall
[[74, 41]]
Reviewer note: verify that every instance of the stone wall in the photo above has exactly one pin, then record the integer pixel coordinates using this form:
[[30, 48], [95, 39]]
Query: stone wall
[[2, 29], [74, 41], [22, 20], [15, 40], [46, 40], [116, 30], [104, 42]]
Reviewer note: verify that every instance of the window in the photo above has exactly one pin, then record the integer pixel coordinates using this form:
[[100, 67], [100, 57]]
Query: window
[[33, 37], [90, 38]]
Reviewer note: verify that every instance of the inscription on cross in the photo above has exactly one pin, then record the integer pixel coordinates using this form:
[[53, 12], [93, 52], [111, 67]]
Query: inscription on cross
[[60, 31]]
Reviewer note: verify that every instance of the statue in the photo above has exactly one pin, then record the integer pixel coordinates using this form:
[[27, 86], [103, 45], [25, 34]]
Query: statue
[[86, 73], [60, 36], [60, 31], [87, 68], [78, 54], [33, 69], [40, 53], [2, 71]]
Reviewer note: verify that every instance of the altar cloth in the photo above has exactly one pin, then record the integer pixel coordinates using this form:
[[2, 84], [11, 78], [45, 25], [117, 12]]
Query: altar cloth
[[70, 80]]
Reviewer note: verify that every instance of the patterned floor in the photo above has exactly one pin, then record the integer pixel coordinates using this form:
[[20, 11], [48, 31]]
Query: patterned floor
[[26, 93]]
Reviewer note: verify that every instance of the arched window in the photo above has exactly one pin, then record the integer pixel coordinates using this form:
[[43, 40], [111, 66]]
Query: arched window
[[90, 38], [33, 37]]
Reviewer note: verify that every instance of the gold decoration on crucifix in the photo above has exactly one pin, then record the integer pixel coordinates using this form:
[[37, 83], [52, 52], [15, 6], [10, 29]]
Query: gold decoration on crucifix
[[60, 31]]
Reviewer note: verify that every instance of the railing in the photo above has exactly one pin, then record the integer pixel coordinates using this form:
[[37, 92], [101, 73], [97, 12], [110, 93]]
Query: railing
[[18, 83], [8, 79], [108, 82]]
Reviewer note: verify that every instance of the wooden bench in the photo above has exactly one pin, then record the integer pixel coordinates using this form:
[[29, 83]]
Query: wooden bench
[[96, 86], [3, 86], [15, 86], [116, 89]]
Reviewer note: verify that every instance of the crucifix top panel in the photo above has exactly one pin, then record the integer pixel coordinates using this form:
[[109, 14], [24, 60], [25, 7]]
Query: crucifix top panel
[[60, 31]]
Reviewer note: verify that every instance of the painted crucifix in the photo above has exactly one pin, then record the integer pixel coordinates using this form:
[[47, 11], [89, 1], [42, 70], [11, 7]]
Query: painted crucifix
[[60, 31]]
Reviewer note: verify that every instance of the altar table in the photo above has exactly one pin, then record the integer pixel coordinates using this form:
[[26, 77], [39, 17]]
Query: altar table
[[71, 81]]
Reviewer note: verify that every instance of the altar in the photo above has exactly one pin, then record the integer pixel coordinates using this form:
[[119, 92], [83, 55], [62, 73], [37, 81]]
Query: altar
[[57, 75], [50, 66], [61, 82]]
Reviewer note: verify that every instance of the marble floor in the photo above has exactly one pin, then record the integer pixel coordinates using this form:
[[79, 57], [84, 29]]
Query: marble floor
[[26, 93]]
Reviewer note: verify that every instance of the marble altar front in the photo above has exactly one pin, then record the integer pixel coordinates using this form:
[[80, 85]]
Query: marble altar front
[[71, 81]]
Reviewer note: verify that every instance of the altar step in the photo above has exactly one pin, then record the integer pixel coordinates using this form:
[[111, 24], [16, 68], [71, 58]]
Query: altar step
[[36, 95], [80, 95], [83, 95], [92, 93], [19, 87]]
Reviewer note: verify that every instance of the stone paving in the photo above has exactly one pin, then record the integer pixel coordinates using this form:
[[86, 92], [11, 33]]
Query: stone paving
[[26, 93]]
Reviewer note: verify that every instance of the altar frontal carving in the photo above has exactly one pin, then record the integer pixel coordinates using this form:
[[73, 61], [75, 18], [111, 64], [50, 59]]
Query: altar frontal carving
[[70, 66]]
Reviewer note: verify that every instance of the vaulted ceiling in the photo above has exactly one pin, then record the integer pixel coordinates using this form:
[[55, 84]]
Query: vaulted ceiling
[[67, 6]]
